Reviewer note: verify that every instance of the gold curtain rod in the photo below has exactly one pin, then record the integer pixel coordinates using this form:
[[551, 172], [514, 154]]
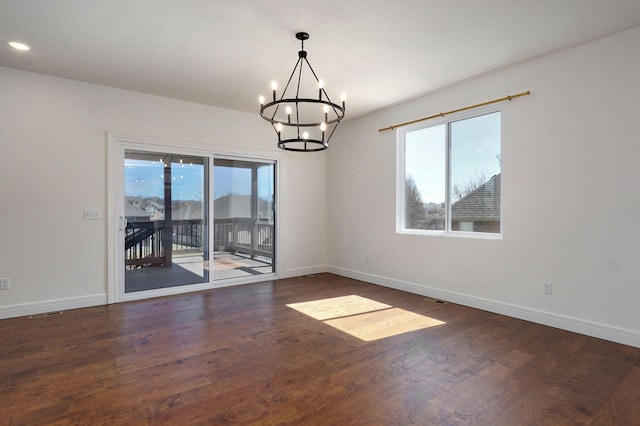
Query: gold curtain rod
[[442, 114]]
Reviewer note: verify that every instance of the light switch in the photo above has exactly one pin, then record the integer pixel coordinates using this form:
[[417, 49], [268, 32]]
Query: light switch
[[92, 214]]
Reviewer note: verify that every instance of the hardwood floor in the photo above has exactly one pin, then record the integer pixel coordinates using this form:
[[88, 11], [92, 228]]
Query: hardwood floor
[[240, 355]]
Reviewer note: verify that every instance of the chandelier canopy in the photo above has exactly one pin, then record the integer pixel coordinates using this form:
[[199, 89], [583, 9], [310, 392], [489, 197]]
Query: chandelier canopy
[[303, 117]]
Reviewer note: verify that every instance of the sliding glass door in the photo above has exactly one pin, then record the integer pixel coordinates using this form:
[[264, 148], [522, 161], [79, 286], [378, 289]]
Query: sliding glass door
[[244, 218], [166, 241], [182, 218]]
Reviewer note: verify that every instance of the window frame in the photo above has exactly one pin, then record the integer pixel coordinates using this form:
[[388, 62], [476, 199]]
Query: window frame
[[401, 175]]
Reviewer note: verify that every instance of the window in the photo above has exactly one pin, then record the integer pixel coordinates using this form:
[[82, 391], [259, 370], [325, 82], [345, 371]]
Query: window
[[449, 176]]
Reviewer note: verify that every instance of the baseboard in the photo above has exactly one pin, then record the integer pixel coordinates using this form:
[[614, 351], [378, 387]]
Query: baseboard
[[298, 272], [33, 308], [589, 328], [12, 311]]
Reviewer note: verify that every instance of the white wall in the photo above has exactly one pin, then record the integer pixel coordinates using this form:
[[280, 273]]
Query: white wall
[[571, 201], [53, 164], [570, 196]]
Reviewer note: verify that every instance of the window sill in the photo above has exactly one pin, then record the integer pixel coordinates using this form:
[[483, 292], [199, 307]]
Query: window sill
[[452, 234]]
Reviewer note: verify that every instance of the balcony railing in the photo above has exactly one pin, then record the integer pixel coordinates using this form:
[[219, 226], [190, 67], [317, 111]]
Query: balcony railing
[[145, 241], [244, 235]]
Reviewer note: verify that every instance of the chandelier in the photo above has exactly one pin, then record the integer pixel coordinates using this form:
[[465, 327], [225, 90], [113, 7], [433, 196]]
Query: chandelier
[[303, 117]]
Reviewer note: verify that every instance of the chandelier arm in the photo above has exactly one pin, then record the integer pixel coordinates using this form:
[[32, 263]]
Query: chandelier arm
[[301, 57], [298, 63], [323, 90], [317, 80], [284, 91], [331, 134], [312, 71]]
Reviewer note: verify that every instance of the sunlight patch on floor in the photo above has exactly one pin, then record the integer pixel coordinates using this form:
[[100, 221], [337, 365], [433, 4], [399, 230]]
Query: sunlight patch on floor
[[364, 318], [337, 307]]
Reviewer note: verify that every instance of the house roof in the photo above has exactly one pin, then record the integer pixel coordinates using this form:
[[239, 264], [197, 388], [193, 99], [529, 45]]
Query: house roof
[[132, 208], [481, 204], [235, 206]]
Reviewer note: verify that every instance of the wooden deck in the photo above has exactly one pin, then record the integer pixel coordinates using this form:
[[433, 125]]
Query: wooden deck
[[319, 350], [235, 265], [187, 270]]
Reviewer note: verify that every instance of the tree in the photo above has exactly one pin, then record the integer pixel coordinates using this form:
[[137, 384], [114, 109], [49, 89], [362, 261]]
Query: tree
[[415, 210], [462, 189]]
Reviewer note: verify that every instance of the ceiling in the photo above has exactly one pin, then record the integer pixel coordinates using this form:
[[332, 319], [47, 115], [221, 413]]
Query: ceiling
[[225, 53]]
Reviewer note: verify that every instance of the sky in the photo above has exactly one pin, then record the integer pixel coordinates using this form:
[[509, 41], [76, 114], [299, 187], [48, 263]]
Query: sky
[[475, 143], [144, 178], [236, 180]]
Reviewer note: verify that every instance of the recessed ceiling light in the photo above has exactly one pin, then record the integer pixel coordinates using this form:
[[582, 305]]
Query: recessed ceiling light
[[19, 45]]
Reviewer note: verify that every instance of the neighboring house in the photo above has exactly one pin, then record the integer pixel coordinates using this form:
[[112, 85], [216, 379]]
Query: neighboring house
[[138, 209], [145, 209], [479, 210], [155, 210], [232, 206], [187, 210], [239, 206], [134, 212]]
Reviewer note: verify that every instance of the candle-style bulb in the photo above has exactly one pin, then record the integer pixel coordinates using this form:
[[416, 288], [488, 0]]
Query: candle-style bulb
[[320, 84], [323, 126], [288, 110], [305, 135], [261, 100], [274, 85], [279, 127]]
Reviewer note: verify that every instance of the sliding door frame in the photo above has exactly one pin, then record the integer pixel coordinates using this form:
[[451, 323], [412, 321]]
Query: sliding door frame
[[117, 144]]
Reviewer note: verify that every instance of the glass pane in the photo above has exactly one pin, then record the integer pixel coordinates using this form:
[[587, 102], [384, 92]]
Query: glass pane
[[166, 237], [244, 226], [425, 178], [476, 162]]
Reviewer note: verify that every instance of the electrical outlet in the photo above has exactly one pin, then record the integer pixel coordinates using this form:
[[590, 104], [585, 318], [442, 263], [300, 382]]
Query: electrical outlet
[[92, 214], [5, 283], [547, 287]]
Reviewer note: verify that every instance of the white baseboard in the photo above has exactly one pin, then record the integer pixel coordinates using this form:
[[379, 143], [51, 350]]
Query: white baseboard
[[589, 328], [33, 308], [298, 272], [13, 311]]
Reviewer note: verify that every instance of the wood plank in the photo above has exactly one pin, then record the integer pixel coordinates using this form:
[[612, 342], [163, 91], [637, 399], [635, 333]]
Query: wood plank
[[245, 355], [623, 405]]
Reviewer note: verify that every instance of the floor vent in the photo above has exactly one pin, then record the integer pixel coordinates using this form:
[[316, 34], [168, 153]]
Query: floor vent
[[46, 315], [438, 301]]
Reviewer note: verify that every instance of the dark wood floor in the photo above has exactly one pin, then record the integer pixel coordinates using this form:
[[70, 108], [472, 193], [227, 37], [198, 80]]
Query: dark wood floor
[[240, 355]]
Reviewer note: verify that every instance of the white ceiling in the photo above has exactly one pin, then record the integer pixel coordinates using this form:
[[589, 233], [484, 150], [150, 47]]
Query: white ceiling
[[225, 53]]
